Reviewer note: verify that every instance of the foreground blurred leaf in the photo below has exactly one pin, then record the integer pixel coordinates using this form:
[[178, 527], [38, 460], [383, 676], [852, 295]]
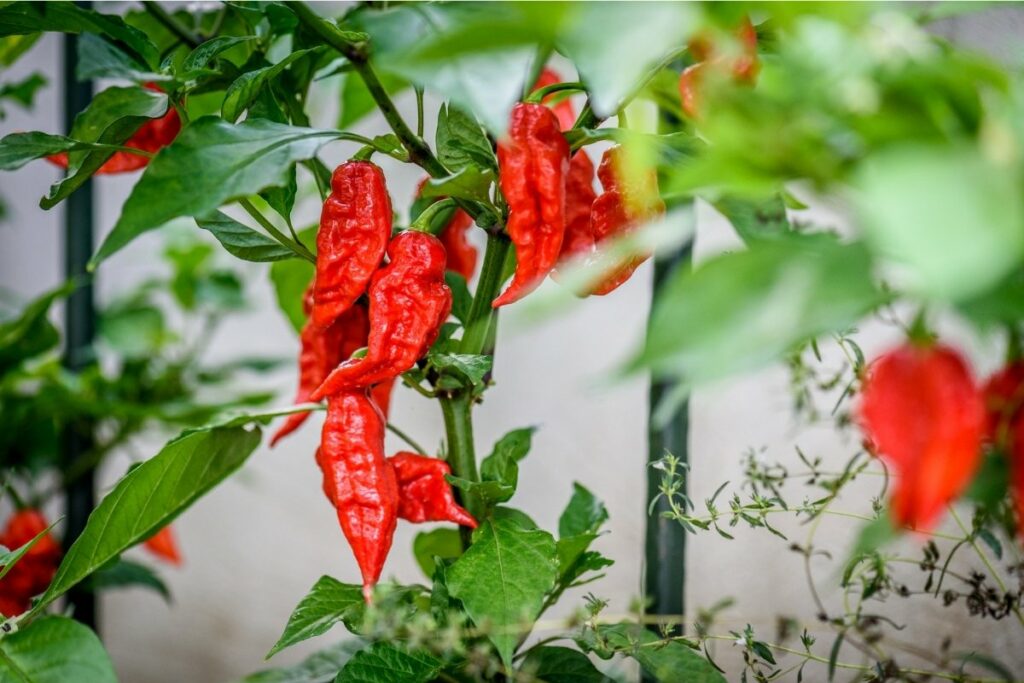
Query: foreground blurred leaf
[[31, 333], [951, 218], [126, 574], [211, 163], [561, 665], [739, 311], [502, 579], [54, 650]]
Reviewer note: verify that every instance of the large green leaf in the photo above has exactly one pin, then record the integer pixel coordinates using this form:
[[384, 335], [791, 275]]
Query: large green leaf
[[241, 240], [154, 493], [952, 218], [389, 663], [244, 90], [17, 149], [211, 163], [502, 579], [560, 665], [54, 650], [22, 18], [329, 602], [613, 44], [741, 310], [667, 662], [98, 58]]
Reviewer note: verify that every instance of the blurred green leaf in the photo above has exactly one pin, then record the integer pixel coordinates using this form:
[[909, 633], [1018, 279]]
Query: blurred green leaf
[[952, 219], [30, 333], [461, 297], [133, 330], [384, 662], [290, 279], [211, 163], [356, 101], [98, 58], [241, 240], [443, 543], [54, 650], [128, 574], [13, 47], [560, 665], [755, 219], [23, 91], [319, 667]]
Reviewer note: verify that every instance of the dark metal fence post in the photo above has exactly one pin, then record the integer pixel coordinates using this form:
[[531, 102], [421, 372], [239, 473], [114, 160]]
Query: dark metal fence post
[[79, 329]]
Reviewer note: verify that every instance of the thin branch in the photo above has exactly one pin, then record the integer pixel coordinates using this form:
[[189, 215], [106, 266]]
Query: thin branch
[[172, 24], [297, 248]]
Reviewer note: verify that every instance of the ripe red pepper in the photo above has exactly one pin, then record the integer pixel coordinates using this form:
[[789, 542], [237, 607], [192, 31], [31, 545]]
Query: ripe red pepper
[[925, 416], [744, 68], [355, 226], [424, 494], [409, 301], [1004, 401], [533, 164], [562, 108], [579, 199], [358, 480], [462, 256], [34, 571], [321, 349], [625, 204], [164, 544], [152, 136]]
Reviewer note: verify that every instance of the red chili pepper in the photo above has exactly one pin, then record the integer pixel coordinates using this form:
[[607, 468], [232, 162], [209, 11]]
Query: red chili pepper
[[925, 416], [1016, 455], [462, 255], [743, 68], [562, 108], [409, 301], [423, 493], [533, 164], [623, 206], [152, 136], [34, 571], [355, 226], [1004, 399], [321, 351], [358, 480], [579, 198], [164, 545]]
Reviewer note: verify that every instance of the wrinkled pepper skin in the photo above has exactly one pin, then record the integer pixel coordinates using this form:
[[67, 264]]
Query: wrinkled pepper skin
[[533, 164], [423, 493], [462, 256], [625, 204], [562, 108], [355, 226], [164, 545], [35, 570], [358, 480], [579, 198], [152, 136], [924, 416], [321, 350], [409, 301]]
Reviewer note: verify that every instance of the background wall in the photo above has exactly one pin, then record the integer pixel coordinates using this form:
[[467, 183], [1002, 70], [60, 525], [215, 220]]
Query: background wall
[[256, 544]]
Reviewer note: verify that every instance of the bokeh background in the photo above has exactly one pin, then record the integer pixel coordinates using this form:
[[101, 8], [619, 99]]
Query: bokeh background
[[256, 544]]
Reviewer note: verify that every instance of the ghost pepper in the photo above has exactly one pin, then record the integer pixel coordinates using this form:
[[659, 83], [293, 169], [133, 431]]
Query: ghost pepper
[[424, 494], [533, 163], [164, 545], [355, 226], [924, 416], [34, 571], [409, 301]]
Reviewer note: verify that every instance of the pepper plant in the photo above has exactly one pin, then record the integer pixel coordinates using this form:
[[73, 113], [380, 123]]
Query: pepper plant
[[747, 108]]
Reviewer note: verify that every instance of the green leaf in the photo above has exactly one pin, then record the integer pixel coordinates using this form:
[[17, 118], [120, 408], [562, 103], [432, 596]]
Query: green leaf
[[502, 463], [461, 142], [470, 182], [23, 18], [667, 662], [873, 536], [462, 300], [444, 543], [201, 56], [126, 574], [244, 90], [502, 579], [290, 279], [24, 91], [390, 663], [111, 118], [356, 101], [317, 668], [134, 330], [613, 44], [98, 58], [328, 602], [952, 219], [17, 149], [583, 515], [561, 665], [755, 219], [54, 650], [13, 47], [574, 560], [739, 311], [11, 557], [461, 369], [151, 495], [211, 163], [31, 333], [241, 240]]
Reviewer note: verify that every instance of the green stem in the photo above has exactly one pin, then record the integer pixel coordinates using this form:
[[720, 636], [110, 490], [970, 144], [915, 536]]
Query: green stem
[[299, 249], [458, 425], [172, 24], [406, 438], [426, 222], [481, 315]]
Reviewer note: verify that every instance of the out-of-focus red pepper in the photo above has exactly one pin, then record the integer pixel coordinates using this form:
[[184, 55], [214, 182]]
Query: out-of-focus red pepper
[[164, 545]]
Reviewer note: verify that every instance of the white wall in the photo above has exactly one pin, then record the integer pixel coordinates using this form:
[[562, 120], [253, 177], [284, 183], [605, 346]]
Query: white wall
[[256, 544]]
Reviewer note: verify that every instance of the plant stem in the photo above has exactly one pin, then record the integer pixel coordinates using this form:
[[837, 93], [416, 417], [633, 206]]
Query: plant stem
[[299, 249], [458, 425], [481, 316], [172, 24], [406, 438]]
